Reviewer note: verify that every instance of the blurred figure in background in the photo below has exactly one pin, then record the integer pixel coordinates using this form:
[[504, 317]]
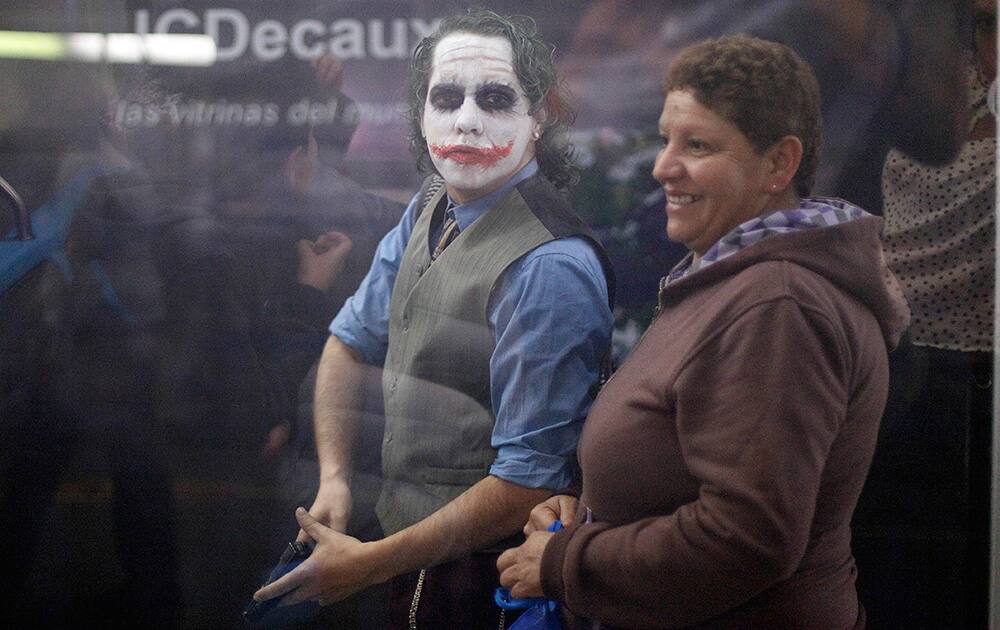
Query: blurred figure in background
[[88, 379], [922, 527]]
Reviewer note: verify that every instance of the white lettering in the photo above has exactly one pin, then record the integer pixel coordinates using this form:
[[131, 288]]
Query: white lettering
[[316, 114], [241, 32], [270, 39], [142, 22], [376, 40], [298, 113], [300, 48], [376, 113], [133, 115], [351, 115], [254, 114], [348, 41], [183, 16], [173, 110], [308, 39], [152, 115], [271, 114]]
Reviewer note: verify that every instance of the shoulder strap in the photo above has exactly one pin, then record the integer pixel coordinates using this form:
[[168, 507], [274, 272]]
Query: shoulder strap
[[553, 209], [432, 184], [607, 369]]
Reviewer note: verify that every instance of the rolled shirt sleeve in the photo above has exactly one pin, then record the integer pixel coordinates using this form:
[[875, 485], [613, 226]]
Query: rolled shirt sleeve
[[363, 322], [552, 325]]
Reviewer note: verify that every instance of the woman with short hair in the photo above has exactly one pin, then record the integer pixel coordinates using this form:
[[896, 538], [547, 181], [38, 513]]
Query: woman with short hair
[[722, 462]]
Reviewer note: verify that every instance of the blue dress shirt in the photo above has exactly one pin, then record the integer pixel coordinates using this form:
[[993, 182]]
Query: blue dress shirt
[[551, 322]]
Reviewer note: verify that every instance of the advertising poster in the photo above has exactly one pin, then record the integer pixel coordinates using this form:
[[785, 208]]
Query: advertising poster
[[157, 339]]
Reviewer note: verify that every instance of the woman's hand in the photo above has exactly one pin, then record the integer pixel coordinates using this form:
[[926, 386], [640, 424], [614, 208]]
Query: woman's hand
[[521, 568], [561, 507]]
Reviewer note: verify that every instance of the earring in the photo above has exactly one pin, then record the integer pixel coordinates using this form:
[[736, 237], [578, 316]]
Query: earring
[[535, 135]]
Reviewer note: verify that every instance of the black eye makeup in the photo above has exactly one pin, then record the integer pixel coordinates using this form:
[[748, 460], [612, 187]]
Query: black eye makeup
[[446, 97], [496, 97], [491, 97]]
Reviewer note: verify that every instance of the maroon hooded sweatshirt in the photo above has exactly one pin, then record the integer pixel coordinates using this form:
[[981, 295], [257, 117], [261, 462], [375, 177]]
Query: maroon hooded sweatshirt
[[722, 462]]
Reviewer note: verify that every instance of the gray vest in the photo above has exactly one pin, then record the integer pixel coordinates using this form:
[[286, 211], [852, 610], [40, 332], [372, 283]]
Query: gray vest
[[436, 382]]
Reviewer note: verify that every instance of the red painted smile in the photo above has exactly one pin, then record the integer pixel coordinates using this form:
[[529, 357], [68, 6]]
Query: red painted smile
[[476, 156]]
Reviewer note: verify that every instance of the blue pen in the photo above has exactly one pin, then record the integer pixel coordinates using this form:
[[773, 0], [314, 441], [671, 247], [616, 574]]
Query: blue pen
[[502, 595]]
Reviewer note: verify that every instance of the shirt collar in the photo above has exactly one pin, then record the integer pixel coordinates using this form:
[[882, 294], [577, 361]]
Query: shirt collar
[[466, 213]]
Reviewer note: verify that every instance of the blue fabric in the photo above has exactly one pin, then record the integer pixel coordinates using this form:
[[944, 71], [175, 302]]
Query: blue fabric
[[539, 613], [50, 223], [542, 616], [551, 322], [504, 600]]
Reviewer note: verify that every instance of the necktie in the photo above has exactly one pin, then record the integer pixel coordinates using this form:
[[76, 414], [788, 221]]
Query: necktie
[[449, 230]]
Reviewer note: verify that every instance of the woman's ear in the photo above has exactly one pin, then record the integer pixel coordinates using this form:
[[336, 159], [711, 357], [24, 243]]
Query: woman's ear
[[783, 159]]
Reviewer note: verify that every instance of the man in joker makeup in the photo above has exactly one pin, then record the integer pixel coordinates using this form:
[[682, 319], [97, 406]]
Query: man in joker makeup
[[488, 348]]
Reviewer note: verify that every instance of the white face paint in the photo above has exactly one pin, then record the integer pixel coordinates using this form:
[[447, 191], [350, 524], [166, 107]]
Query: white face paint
[[476, 119]]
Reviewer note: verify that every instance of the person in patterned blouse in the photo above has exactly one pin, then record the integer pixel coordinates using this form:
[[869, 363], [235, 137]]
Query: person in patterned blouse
[[922, 526]]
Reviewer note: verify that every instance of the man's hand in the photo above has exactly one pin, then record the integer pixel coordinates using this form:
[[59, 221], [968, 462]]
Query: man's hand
[[332, 507], [338, 381], [276, 439], [561, 507], [321, 261], [521, 568], [301, 166], [339, 566]]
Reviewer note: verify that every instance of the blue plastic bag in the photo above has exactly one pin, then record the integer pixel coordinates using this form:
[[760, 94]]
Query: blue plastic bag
[[541, 616], [539, 613]]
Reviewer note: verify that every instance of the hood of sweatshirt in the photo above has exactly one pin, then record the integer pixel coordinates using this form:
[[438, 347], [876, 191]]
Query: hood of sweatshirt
[[849, 255]]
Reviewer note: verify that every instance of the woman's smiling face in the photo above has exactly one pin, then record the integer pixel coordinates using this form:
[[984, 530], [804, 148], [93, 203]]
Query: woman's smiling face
[[713, 176], [476, 117]]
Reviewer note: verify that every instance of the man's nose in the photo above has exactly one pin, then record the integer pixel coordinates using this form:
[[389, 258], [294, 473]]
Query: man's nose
[[469, 117]]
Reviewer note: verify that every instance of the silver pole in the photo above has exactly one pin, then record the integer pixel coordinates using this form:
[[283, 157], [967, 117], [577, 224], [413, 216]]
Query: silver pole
[[994, 594], [22, 218]]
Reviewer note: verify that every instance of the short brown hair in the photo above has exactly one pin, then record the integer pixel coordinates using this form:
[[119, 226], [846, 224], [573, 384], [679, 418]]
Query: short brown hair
[[762, 87]]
